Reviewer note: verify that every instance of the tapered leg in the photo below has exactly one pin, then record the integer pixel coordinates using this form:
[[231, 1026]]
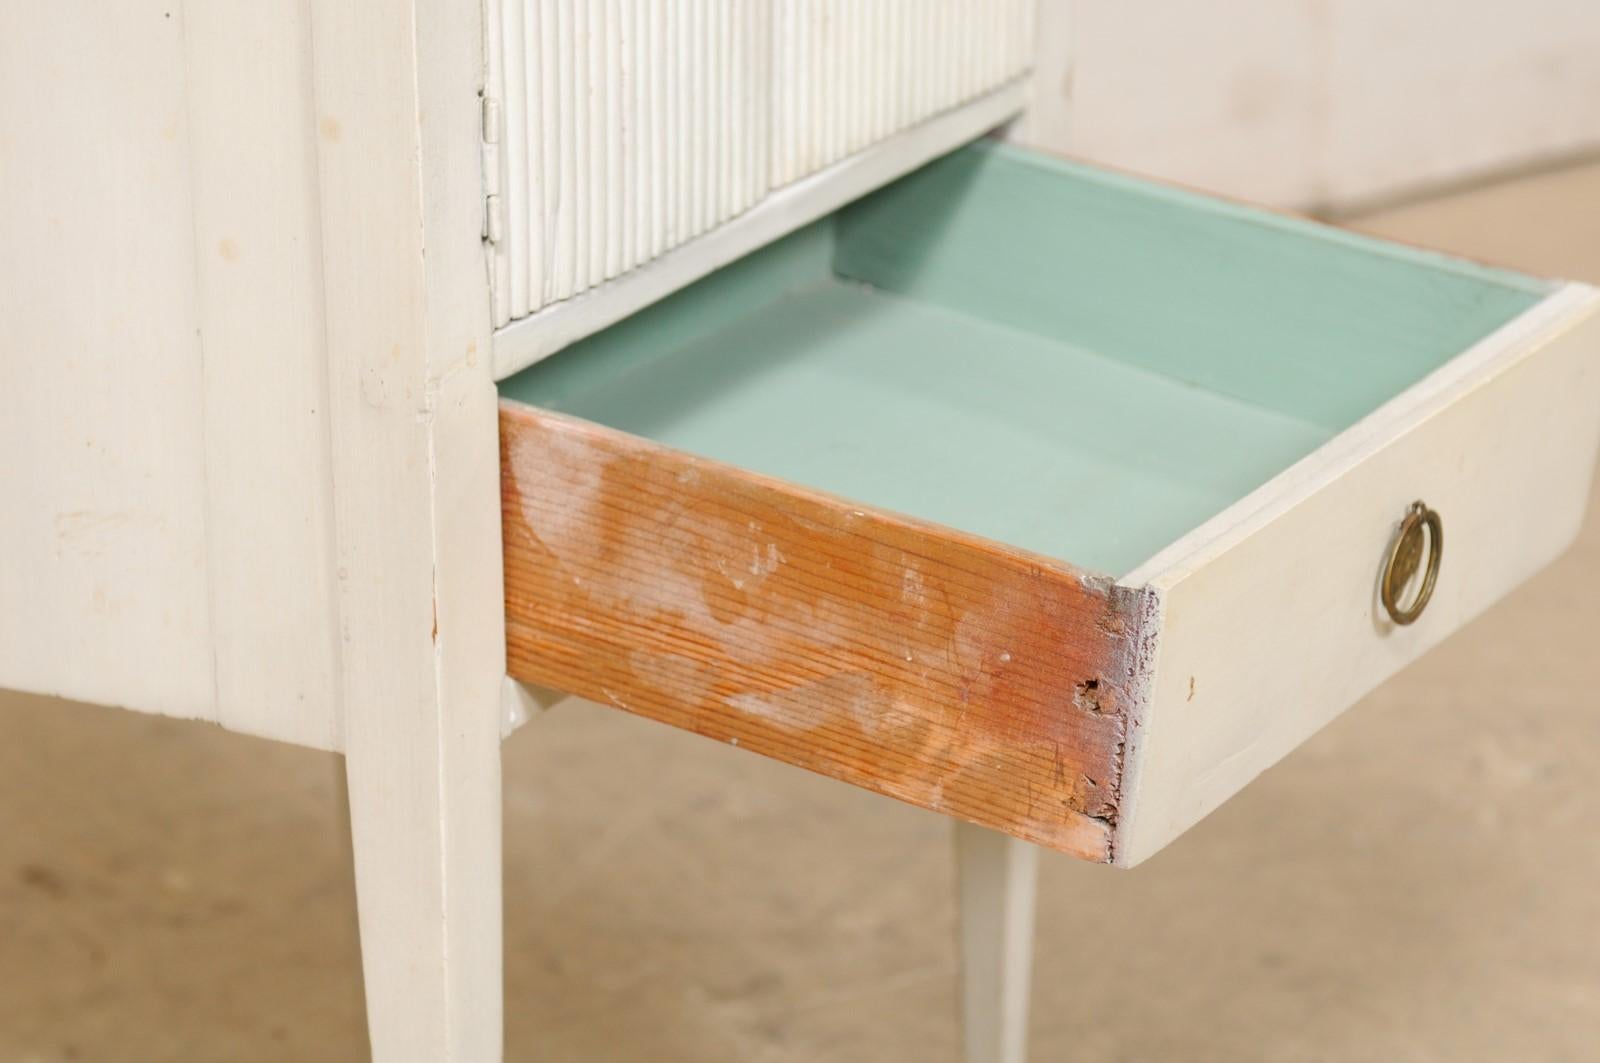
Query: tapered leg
[[998, 879], [425, 823], [414, 478]]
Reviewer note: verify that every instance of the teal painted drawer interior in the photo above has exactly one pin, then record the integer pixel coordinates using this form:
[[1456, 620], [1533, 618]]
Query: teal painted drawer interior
[[1077, 363]]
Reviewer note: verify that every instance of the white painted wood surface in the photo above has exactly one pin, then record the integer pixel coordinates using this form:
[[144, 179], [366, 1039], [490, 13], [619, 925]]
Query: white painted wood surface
[[1047, 123], [103, 560], [416, 512], [998, 881], [166, 535], [626, 128], [1270, 624], [846, 74], [268, 481]]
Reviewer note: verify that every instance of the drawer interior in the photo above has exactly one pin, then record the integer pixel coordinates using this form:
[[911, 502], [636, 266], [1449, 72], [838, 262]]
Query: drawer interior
[[1077, 363]]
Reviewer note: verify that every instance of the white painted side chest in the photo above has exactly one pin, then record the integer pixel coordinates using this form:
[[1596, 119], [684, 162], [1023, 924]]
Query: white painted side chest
[[692, 358]]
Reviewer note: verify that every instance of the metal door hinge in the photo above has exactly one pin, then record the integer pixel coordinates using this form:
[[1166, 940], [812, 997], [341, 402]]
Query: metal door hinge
[[493, 207]]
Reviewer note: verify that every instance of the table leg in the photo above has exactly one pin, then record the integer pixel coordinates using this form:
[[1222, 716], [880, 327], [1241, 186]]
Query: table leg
[[997, 877], [425, 827]]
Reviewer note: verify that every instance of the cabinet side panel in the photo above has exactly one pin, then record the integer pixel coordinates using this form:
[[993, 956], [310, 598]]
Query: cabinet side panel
[[103, 567], [917, 662], [258, 252]]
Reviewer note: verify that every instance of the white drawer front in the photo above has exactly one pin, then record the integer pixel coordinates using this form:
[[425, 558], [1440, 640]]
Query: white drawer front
[[1271, 623]]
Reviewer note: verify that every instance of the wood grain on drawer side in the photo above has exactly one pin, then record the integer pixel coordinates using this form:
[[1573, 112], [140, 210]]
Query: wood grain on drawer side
[[932, 666]]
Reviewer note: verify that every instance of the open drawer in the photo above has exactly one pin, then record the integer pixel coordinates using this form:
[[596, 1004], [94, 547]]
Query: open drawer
[[1043, 497]]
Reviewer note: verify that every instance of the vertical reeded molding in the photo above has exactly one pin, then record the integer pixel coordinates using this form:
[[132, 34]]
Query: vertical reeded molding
[[633, 126]]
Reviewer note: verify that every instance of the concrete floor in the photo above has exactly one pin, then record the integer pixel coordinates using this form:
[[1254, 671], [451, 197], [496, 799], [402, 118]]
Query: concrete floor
[[1417, 883]]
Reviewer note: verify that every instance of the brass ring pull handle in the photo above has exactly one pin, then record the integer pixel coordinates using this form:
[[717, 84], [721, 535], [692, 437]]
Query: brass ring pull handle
[[1405, 555]]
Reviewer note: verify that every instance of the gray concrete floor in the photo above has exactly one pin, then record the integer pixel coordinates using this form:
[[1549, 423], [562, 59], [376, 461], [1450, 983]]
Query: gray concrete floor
[[1419, 882]]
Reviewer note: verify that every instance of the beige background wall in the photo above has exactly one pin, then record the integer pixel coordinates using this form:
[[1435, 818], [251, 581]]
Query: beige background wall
[[1320, 103]]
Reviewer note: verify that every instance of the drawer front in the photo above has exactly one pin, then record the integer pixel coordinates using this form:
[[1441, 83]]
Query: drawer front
[[1269, 617]]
